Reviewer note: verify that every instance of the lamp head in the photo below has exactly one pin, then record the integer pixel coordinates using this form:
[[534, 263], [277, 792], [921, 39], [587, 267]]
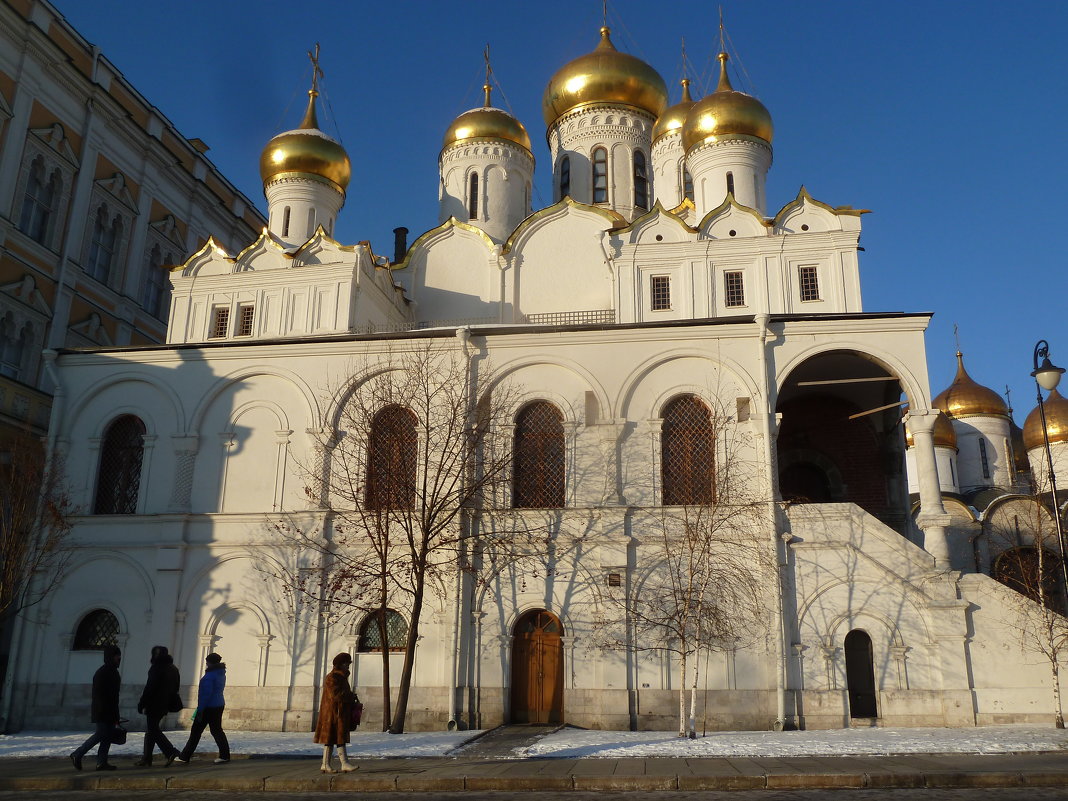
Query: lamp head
[[1047, 375]]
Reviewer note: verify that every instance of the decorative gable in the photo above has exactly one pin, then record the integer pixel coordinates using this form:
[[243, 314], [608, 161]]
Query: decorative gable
[[732, 220]]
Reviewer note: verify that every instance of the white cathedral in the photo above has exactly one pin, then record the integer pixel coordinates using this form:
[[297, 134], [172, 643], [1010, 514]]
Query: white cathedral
[[658, 281]]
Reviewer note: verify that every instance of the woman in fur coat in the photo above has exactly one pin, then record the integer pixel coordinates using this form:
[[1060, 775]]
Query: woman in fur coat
[[335, 715]]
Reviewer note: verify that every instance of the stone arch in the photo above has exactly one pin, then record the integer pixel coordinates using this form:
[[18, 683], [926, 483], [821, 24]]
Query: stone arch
[[219, 387]]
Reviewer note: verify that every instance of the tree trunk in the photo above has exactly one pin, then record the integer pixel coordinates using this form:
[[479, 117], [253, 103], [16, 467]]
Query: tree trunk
[[682, 693], [384, 639], [1058, 712], [405, 683], [691, 723]]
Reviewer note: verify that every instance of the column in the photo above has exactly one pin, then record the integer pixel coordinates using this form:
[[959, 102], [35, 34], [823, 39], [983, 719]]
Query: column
[[933, 518]]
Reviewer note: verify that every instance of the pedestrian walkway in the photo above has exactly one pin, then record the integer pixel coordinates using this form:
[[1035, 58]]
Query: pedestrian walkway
[[301, 775]]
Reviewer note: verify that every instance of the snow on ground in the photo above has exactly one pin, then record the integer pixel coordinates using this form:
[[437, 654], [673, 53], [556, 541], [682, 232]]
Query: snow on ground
[[570, 743]]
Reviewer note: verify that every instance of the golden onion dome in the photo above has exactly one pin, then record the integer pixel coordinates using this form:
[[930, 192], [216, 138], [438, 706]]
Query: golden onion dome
[[1019, 449], [1056, 407], [487, 122], [306, 151], [943, 434], [965, 398], [726, 114], [604, 77], [674, 117]]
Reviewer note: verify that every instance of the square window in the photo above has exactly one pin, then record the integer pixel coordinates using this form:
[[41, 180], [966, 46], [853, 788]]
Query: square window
[[733, 288], [809, 282], [660, 292], [220, 322], [246, 313]]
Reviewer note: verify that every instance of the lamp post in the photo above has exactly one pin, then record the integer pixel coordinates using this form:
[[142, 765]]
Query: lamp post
[[1047, 376]]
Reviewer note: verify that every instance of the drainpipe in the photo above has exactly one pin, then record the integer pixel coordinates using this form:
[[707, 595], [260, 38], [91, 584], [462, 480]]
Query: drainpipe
[[463, 336], [763, 322]]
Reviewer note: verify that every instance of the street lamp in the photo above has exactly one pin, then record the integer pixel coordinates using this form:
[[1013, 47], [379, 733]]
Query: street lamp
[[1047, 376]]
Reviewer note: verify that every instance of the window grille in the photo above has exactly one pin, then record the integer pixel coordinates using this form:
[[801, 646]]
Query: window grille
[[593, 316], [641, 181], [538, 478], [391, 466], [97, 629], [220, 322], [370, 638], [733, 288], [39, 202], [565, 177], [246, 314], [687, 184], [810, 283], [983, 458], [687, 450], [660, 293], [600, 175], [472, 198], [119, 474]]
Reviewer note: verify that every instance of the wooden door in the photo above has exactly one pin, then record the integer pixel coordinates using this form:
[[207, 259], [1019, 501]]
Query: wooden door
[[538, 669]]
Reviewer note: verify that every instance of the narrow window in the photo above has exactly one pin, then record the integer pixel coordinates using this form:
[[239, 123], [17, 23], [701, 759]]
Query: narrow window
[[687, 184], [641, 181], [38, 205], [119, 473], [730, 183], [246, 313], [155, 281], [311, 222], [687, 455], [285, 221], [953, 471], [538, 470], [472, 197], [12, 348], [102, 246], [565, 177], [983, 458], [809, 281], [371, 638], [733, 288], [96, 630], [600, 175], [391, 459], [660, 293], [220, 322]]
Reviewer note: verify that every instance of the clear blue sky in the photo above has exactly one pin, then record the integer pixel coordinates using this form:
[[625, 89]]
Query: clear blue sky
[[949, 120]]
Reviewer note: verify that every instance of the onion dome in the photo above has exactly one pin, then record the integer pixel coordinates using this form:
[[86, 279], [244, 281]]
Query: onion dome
[[943, 434], [726, 114], [306, 152], [1020, 462], [675, 117], [965, 398], [604, 77], [1056, 408], [487, 122]]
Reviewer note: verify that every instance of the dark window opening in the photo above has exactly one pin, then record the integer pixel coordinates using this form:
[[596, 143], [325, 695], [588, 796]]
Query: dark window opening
[[96, 630], [391, 464], [119, 473], [538, 477], [600, 175], [687, 449], [565, 177], [472, 197], [730, 183], [370, 636], [641, 181], [660, 293]]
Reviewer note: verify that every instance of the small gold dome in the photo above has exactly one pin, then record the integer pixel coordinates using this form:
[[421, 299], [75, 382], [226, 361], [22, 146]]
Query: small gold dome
[[675, 117], [306, 151], [726, 114], [965, 398], [943, 434], [604, 77], [487, 122], [1056, 422], [1019, 449]]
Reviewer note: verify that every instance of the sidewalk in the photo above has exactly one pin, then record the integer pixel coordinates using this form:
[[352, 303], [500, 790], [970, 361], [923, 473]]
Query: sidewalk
[[1035, 769]]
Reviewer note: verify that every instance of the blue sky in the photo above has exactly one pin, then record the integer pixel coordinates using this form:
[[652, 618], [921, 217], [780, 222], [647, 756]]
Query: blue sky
[[947, 119]]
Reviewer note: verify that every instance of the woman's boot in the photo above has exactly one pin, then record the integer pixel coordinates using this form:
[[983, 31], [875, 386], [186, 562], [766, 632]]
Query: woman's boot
[[328, 752], [346, 766]]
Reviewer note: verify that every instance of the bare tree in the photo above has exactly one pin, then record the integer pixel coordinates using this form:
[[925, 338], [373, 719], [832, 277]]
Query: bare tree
[[707, 562], [1028, 560], [404, 472]]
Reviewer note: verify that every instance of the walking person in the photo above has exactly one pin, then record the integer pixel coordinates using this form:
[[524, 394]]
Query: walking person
[[159, 697], [335, 715], [104, 710], [209, 711]]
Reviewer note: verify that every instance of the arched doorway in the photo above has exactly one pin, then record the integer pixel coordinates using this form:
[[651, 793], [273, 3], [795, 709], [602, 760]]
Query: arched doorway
[[538, 669], [860, 675]]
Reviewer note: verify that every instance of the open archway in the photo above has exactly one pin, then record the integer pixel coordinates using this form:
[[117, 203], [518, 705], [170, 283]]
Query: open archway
[[860, 675]]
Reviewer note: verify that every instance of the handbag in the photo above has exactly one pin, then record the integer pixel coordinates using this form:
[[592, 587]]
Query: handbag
[[175, 704], [118, 734], [355, 714]]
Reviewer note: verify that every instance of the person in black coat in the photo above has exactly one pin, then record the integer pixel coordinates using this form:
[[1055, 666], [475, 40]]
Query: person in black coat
[[157, 699], [104, 711]]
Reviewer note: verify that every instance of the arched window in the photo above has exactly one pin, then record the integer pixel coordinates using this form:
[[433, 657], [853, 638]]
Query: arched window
[[155, 291], [13, 345], [641, 181], [105, 238], [391, 459], [538, 478], [730, 183], [118, 481], [687, 184], [599, 160], [96, 630], [472, 197], [370, 638], [565, 177], [39, 202], [285, 221], [687, 451]]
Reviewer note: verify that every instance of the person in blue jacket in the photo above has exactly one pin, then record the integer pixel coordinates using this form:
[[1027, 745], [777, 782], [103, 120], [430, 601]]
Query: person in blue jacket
[[209, 711]]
